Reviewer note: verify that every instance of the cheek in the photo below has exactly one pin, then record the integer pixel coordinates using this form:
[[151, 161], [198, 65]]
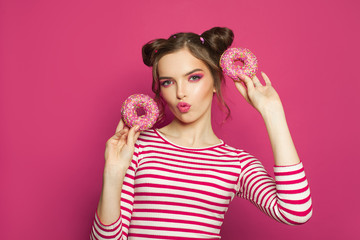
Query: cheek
[[203, 90], [166, 94]]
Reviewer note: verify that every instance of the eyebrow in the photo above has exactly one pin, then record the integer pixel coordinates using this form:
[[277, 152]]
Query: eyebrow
[[195, 70]]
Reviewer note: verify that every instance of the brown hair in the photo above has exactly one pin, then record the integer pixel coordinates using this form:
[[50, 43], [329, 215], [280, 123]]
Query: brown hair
[[208, 47]]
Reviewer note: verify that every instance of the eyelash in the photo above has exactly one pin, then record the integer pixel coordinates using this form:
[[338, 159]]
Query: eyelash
[[166, 83], [198, 77], [163, 83]]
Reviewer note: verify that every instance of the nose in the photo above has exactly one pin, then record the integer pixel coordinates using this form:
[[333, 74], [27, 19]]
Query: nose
[[181, 90]]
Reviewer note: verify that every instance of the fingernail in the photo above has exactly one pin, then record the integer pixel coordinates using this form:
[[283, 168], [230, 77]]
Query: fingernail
[[137, 128]]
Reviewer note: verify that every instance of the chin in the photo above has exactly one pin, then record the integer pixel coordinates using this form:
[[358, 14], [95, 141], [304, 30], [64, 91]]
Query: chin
[[183, 117], [189, 117]]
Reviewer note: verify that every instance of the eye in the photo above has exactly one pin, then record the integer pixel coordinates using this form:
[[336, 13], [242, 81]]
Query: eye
[[196, 77], [166, 83]]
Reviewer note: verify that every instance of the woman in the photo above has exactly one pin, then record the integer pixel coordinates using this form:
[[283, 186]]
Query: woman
[[177, 182]]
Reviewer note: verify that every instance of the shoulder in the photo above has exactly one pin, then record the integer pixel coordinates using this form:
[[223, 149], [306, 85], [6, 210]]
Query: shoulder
[[149, 133], [148, 137], [238, 151]]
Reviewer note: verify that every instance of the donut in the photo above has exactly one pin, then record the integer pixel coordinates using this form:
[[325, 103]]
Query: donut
[[130, 116], [228, 58]]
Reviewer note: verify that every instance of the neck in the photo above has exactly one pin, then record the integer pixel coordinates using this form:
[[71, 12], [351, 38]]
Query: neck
[[194, 134]]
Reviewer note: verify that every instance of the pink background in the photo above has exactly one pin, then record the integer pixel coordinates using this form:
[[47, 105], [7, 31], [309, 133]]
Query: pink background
[[66, 67]]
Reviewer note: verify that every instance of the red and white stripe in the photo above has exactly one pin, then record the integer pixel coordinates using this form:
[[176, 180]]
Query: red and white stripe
[[172, 192]]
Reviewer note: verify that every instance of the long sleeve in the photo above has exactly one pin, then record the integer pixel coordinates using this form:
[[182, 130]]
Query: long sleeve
[[173, 192], [286, 199], [120, 228]]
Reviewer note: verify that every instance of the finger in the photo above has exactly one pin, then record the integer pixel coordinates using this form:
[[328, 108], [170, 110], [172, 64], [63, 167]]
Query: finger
[[130, 138], [119, 126], [266, 78], [137, 134], [242, 90], [123, 138], [256, 81], [248, 82], [120, 133]]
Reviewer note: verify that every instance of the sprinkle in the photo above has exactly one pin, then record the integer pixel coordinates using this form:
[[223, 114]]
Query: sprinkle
[[228, 58], [129, 114]]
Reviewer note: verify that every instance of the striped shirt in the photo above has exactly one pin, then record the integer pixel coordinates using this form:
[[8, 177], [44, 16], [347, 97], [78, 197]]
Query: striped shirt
[[173, 192]]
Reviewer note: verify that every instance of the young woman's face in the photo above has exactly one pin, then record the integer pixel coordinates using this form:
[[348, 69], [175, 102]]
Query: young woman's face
[[186, 85]]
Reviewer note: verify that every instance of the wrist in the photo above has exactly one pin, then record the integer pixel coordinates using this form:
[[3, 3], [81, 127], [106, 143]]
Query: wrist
[[272, 111], [114, 175], [115, 169]]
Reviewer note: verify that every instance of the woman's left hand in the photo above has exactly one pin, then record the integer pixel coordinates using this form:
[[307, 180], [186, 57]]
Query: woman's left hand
[[262, 97]]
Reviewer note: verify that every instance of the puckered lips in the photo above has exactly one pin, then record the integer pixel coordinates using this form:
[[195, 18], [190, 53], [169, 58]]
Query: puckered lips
[[183, 107]]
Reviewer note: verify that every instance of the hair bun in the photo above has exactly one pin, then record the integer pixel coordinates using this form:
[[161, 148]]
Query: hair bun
[[219, 38], [149, 50]]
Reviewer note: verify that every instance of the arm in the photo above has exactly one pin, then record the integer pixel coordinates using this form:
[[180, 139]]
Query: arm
[[281, 142], [288, 197], [108, 222], [116, 201], [112, 217], [267, 102]]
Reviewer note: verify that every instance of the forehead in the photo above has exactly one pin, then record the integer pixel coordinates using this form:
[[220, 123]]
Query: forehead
[[179, 63]]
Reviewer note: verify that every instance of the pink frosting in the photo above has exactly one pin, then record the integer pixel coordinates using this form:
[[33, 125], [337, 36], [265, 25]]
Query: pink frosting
[[130, 116], [228, 58]]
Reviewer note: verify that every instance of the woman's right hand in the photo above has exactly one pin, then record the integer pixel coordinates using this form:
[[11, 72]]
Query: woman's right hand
[[118, 155], [120, 148]]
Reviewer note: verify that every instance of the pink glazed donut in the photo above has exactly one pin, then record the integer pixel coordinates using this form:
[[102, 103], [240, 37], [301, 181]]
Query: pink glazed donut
[[130, 116], [228, 58]]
